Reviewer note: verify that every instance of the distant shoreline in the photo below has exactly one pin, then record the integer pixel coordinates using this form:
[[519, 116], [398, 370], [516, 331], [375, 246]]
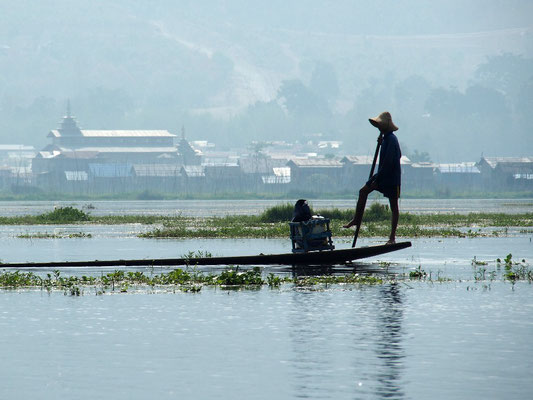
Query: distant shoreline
[[146, 196]]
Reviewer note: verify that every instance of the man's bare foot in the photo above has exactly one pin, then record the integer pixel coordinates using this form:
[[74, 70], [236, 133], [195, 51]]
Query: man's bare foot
[[391, 241], [349, 224]]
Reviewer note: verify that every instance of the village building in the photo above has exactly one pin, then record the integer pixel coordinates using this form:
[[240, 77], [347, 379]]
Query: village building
[[464, 176], [16, 155], [110, 145], [264, 173], [356, 169], [158, 177], [419, 177], [316, 175], [15, 165], [111, 159], [193, 178], [224, 177], [281, 176], [506, 173], [5, 178], [187, 154]]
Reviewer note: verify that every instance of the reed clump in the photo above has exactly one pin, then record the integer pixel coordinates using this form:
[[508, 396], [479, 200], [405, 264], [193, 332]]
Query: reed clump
[[283, 213], [510, 269], [516, 270], [62, 215], [277, 213]]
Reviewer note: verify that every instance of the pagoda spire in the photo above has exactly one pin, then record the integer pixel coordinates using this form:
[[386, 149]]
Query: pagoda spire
[[182, 132], [69, 126]]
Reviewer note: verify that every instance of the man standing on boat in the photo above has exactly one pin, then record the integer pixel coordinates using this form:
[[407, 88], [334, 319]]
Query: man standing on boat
[[388, 178]]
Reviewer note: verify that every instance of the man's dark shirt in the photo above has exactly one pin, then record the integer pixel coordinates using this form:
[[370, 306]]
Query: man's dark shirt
[[389, 172]]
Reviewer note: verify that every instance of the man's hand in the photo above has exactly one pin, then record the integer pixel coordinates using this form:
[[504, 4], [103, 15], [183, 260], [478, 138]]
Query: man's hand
[[380, 138]]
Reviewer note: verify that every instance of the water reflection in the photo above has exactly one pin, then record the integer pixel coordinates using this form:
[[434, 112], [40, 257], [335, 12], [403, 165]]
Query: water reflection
[[298, 271], [312, 360], [348, 344], [388, 345]]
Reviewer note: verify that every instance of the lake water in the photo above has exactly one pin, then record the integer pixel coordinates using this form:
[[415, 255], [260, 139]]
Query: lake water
[[204, 208], [411, 340]]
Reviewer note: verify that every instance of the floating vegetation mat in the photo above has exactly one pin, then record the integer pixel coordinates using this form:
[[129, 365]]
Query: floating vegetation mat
[[235, 278], [60, 235], [273, 223], [186, 280]]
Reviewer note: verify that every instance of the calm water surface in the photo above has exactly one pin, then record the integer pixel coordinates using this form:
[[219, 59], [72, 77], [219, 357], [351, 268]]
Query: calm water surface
[[203, 208], [392, 341], [412, 340]]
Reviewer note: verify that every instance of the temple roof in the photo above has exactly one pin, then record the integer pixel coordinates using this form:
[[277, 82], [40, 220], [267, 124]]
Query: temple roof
[[117, 133]]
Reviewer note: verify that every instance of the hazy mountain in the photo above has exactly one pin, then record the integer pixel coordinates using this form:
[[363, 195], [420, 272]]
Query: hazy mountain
[[224, 69]]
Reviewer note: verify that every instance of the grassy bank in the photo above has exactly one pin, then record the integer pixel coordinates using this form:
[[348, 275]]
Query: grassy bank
[[272, 223]]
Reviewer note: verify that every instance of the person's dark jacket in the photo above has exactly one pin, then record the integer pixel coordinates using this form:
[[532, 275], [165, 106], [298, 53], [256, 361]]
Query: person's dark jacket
[[389, 172], [302, 212]]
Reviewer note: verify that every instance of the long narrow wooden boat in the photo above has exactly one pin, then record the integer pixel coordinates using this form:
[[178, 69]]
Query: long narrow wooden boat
[[330, 257]]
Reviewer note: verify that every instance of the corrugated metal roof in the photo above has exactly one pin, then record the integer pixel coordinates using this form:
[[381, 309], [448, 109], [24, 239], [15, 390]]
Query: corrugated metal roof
[[21, 170], [157, 170], [220, 165], [515, 168], [49, 154], [274, 179], [493, 161], [367, 160], [193, 171], [282, 171], [127, 149], [364, 160], [123, 133], [260, 165], [281, 175], [404, 160], [458, 168], [528, 177], [110, 170], [333, 144], [79, 154], [320, 162], [16, 147], [119, 133], [76, 175], [423, 164]]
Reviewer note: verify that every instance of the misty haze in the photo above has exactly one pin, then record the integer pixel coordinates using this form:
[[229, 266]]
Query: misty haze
[[284, 199], [240, 75]]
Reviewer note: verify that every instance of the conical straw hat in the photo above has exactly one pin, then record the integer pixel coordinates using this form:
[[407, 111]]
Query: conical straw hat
[[383, 122]]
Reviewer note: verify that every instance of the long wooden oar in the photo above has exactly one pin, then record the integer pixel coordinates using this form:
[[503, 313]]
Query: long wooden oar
[[370, 176]]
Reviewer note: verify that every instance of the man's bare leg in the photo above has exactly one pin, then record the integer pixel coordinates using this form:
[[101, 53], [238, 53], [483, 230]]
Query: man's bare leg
[[394, 219], [360, 208]]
